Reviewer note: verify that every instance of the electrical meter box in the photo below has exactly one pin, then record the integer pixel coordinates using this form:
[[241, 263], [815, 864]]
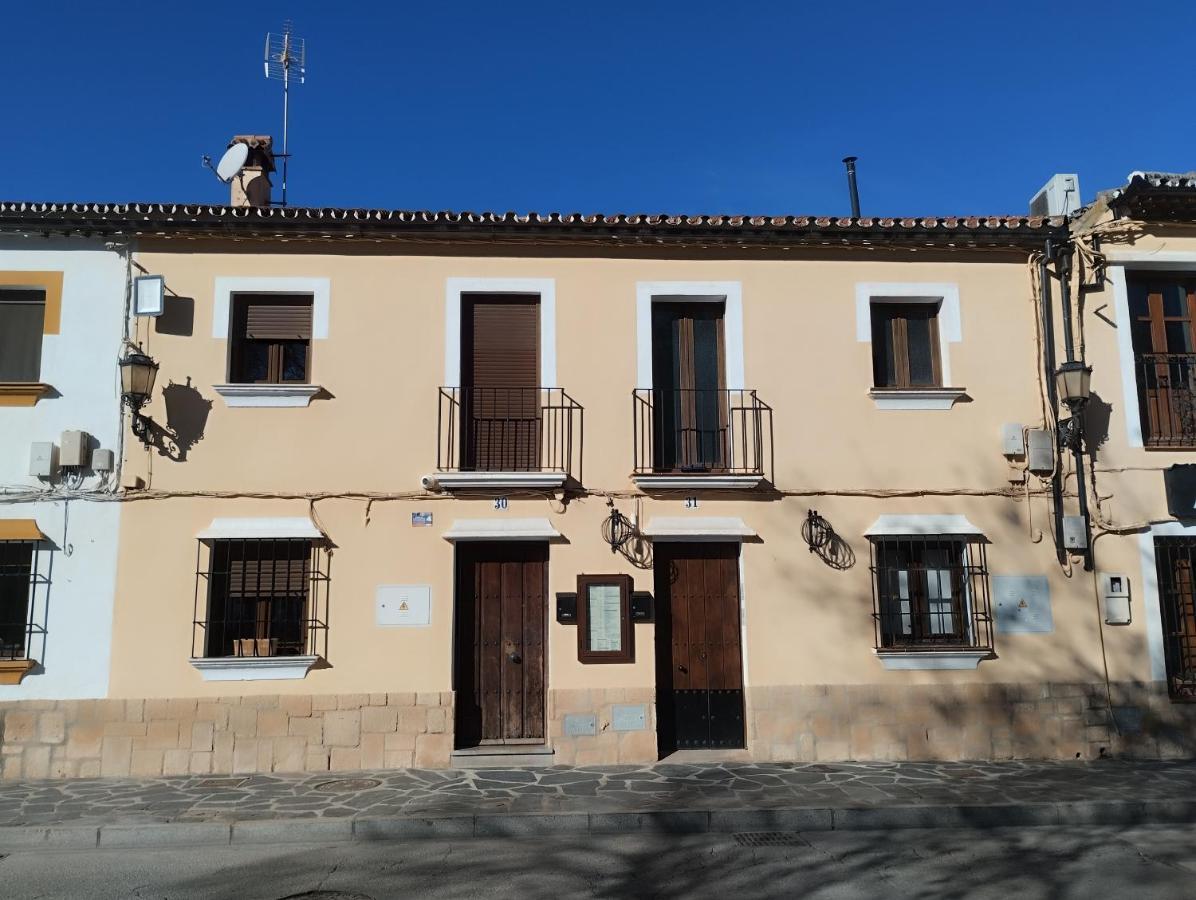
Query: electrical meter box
[[102, 460], [43, 459], [73, 449], [1041, 452], [1075, 532], [1115, 596], [1012, 441]]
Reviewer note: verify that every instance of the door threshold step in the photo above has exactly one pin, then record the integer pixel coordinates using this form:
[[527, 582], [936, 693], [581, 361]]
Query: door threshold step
[[712, 756], [499, 756]]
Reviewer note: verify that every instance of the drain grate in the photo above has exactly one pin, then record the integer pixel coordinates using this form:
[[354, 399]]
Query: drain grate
[[768, 839], [221, 782], [347, 785]]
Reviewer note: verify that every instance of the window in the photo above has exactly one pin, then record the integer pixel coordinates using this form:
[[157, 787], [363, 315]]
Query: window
[[17, 568], [930, 592], [905, 345], [604, 631], [1175, 560], [271, 339], [262, 598], [22, 321], [1161, 327]]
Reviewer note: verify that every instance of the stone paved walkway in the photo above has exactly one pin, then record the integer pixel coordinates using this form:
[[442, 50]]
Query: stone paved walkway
[[414, 793]]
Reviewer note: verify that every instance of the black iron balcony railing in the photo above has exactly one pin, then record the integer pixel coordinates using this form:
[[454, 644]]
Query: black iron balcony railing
[[532, 429], [1167, 396], [691, 431]]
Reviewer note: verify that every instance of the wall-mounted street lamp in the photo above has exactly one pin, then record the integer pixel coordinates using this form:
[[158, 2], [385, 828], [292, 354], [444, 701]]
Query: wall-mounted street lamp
[[1073, 381], [137, 375]]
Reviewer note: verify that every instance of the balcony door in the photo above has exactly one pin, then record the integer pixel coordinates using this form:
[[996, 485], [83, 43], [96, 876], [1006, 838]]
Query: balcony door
[[500, 396], [1162, 313], [688, 382]]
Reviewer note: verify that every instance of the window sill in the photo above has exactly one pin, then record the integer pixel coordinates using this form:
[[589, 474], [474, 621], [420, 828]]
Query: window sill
[[697, 482], [22, 393], [916, 398], [250, 668], [464, 481], [267, 395], [13, 670], [907, 660]]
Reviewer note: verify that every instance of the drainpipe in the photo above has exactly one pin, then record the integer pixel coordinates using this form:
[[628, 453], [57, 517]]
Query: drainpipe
[[1048, 364], [1064, 267]]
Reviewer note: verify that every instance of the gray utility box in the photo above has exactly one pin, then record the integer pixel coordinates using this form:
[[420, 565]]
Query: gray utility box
[[1075, 532], [1040, 445]]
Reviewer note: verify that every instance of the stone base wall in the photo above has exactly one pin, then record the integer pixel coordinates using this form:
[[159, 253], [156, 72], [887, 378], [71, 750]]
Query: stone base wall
[[824, 723], [100, 738], [602, 726]]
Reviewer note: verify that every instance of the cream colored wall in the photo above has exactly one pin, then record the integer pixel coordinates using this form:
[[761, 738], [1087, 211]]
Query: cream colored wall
[[384, 359]]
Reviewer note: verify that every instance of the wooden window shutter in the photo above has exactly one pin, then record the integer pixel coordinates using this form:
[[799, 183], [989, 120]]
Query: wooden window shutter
[[502, 342], [274, 319], [285, 573]]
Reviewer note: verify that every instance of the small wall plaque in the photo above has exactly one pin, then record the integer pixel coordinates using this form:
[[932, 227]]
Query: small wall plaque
[[1022, 604], [403, 605], [632, 717], [577, 725], [421, 519]]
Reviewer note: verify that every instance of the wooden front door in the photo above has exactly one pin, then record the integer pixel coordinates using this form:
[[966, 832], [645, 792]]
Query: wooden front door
[[689, 403], [501, 610], [500, 370], [699, 662]]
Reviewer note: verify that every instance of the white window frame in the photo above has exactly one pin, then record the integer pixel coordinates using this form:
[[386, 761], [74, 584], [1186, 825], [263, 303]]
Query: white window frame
[[455, 287], [1178, 262], [944, 295], [269, 395], [729, 293]]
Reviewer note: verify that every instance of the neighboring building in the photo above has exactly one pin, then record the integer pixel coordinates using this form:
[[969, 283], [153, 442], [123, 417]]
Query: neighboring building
[[61, 309], [430, 489]]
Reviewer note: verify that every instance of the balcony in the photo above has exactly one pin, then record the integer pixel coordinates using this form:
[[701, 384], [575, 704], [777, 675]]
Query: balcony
[[701, 438], [1167, 397], [521, 438]]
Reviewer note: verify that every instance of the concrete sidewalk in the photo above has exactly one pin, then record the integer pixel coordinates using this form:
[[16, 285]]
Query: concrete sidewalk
[[731, 797]]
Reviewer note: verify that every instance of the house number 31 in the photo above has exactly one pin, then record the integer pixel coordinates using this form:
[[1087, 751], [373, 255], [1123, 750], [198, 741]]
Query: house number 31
[[691, 502], [500, 502]]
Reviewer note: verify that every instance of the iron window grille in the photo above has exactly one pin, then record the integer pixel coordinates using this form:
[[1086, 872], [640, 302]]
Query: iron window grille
[[261, 597], [930, 592], [23, 600], [1175, 560]]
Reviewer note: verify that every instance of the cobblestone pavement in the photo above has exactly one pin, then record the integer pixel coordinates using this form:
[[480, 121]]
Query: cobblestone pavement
[[418, 793]]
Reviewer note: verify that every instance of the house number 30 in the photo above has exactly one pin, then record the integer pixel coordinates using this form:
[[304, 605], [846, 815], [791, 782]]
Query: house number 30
[[691, 502], [500, 502]]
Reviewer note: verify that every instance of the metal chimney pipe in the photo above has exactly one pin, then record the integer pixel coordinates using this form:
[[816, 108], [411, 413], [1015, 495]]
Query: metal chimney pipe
[[849, 161]]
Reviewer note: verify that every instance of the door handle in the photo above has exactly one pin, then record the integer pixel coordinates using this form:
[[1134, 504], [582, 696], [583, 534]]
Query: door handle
[[514, 657], [682, 669]]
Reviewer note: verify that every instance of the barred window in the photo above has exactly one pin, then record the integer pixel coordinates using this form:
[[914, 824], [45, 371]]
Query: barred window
[[261, 597], [1175, 561], [930, 592], [19, 580]]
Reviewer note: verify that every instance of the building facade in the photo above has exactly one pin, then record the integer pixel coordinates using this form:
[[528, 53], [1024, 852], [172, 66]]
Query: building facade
[[434, 489]]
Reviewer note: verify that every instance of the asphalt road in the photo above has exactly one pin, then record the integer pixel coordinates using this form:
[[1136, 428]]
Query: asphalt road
[[1025, 863]]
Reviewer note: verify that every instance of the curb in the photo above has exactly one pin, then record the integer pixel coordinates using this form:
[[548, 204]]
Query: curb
[[342, 830]]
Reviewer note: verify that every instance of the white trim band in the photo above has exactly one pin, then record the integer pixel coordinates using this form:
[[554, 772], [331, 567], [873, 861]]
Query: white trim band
[[900, 525], [262, 396], [539, 529], [688, 528], [697, 482], [281, 527], [916, 398], [456, 481], [254, 668], [730, 293], [455, 287]]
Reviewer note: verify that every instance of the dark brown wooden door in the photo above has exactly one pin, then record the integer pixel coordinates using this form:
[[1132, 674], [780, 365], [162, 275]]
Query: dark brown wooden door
[[500, 362], [1162, 314], [689, 401], [699, 662], [501, 610]]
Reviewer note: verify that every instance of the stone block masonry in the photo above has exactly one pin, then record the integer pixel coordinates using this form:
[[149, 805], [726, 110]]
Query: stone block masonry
[[241, 735]]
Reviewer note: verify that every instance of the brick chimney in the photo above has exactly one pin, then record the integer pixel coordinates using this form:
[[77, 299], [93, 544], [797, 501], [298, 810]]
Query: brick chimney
[[252, 186]]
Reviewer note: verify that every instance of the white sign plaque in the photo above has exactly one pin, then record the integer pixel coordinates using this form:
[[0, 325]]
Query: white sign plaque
[[399, 605], [1022, 604]]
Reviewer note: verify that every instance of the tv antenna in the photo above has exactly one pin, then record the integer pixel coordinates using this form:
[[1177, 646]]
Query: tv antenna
[[286, 59]]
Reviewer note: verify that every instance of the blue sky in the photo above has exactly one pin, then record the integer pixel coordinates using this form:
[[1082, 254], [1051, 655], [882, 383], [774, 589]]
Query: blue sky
[[952, 107]]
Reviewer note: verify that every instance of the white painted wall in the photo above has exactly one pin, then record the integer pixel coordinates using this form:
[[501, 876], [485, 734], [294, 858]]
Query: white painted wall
[[80, 364]]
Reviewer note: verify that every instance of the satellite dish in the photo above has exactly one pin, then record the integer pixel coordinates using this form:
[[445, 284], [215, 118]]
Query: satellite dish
[[232, 162]]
